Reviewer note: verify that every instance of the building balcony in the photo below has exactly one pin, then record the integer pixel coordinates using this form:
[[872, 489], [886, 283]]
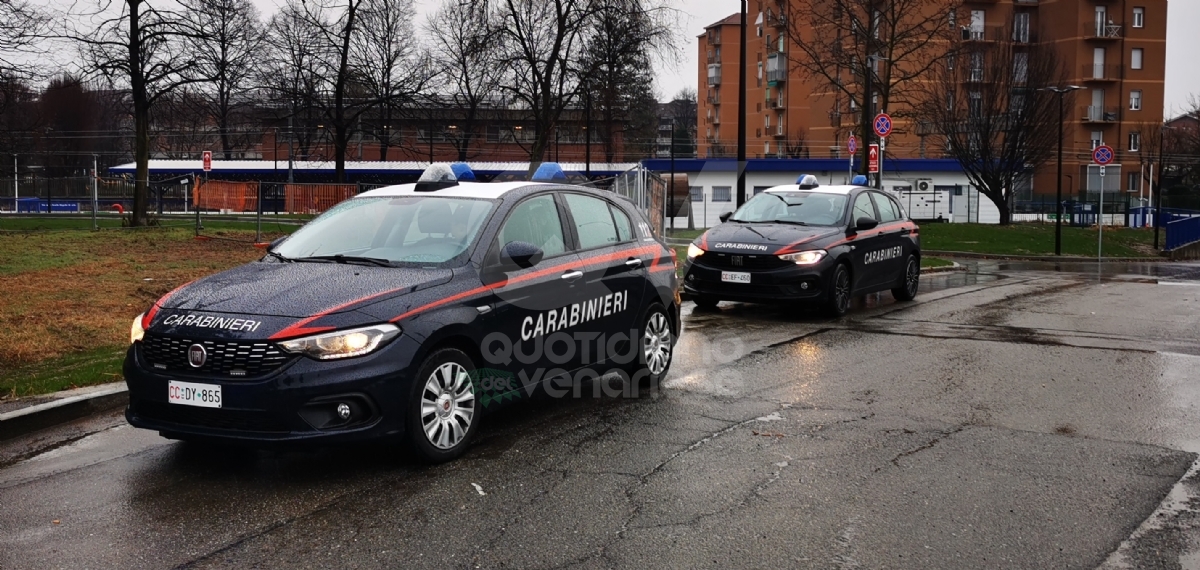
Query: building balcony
[[713, 100], [777, 103], [778, 131], [776, 76], [982, 33], [1097, 30], [1100, 114], [714, 80], [714, 39], [1101, 72]]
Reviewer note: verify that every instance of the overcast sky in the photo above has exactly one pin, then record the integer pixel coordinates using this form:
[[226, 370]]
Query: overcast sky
[[1183, 45]]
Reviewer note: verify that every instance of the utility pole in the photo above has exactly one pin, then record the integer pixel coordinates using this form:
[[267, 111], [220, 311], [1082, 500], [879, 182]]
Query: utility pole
[[291, 135], [16, 185], [1061, 91], [741, 122], [671, 184], [587, 129], [95, 190], [1158, 199]]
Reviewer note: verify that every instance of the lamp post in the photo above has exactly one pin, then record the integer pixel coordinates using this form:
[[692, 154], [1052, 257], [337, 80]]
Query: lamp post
[[741, 122], [1061, 91]]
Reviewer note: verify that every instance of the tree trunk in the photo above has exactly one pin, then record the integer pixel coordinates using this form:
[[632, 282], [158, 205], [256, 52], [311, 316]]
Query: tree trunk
[[141, 118]]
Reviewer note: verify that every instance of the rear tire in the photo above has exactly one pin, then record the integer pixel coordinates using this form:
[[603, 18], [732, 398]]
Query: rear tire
[[443, 412], [912, 280], [838, 301], [706, 302], [655, 347]]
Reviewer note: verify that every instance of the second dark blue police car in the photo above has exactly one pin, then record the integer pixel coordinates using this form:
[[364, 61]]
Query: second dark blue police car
[[405, 312], [807, 243]]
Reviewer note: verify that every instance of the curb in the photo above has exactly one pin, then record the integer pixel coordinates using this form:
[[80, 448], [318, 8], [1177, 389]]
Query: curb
[[73, 405], [1062, 258]]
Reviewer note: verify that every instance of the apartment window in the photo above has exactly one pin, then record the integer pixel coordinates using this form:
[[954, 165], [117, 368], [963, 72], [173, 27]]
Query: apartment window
[[1135, 100], [953, 18], [1135, 141], [1136, 61], [1139, 17], [760, 31], [766, 148], [950, 100], [767, 121], [721, 194], [1133, 181], [696, 193], [1021, 27], [759, 189], [1097, 139], [975, 108]]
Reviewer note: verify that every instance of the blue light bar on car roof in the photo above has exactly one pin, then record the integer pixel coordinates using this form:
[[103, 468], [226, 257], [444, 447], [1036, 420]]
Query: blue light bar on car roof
[[859, 180], [807, 182], [462, 172], [549, 172], [436, 177]]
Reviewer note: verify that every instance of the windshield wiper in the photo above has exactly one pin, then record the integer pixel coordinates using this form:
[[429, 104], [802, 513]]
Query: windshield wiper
[[339, 258], [279, 256], [790, 222]]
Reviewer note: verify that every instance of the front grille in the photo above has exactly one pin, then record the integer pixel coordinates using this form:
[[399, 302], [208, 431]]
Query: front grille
[[225, 358], [218, 418], [741, 261]]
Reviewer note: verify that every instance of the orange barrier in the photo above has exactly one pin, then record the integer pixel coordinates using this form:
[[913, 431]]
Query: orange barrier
[[315, 198], [232, 196]]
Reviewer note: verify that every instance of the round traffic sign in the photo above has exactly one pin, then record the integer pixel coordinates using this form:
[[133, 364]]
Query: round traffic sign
[[852, 144], [1103, 155], [883, 124]]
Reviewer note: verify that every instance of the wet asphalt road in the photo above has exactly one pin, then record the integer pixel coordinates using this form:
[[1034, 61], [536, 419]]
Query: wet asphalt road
[[1015, 416]]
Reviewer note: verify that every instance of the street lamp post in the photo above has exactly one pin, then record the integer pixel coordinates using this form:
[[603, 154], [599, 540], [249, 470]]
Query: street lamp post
[[1061, 91], [741, 122], [1158, 199]]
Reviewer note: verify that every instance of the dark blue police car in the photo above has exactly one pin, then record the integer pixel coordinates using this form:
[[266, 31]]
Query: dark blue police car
[[807, 243], [406, 311]]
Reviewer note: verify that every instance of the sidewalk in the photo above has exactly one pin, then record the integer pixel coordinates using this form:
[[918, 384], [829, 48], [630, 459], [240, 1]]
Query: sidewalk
[[24, 415]]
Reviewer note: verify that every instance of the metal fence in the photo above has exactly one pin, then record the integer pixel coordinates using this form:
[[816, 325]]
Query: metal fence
[[647, 191]]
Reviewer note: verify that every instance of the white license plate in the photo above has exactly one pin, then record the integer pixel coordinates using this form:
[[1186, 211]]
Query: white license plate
[[190, 394], [735, 277]]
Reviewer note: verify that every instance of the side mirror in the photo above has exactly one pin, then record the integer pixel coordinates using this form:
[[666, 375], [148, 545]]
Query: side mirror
[[725, 217], [520, 254], [865, 223]]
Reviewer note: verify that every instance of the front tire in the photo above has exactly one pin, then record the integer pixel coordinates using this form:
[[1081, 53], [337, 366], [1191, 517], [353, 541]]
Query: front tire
[[838, 301], [443, 414], [912, 280], [656, 346]]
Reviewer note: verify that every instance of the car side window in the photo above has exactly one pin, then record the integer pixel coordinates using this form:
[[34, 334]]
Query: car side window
[[535, 221], [863, 208], [887, 208], [593, 222], [624, 230]]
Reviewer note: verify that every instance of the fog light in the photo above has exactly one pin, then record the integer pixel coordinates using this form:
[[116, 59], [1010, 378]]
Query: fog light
[[804, 285], [343, 411]]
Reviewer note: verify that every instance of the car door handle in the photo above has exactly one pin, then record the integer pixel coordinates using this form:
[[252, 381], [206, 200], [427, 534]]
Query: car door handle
[[633, 262], [572, 275]]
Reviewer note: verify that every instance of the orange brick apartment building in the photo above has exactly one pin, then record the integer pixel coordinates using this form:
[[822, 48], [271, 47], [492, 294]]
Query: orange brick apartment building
[[1114, 49]]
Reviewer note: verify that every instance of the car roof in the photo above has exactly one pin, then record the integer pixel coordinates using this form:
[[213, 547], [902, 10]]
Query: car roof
[[489, 190], [841, 189]]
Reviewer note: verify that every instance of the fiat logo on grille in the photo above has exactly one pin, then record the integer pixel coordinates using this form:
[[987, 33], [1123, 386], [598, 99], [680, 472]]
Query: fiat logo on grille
[[737, 261], [197, 355]]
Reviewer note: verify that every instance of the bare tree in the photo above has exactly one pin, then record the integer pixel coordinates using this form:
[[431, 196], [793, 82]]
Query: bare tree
[[993, 115], [386, 61], [837, 43], [682, 110], [22, 25], [622, 39], [291, 75], [225, 57], [466, 50], [142, 48], [539, 43], [796, 144]]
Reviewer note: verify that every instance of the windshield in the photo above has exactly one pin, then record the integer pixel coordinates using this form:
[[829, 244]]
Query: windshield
[[414, 231], [800, 208]]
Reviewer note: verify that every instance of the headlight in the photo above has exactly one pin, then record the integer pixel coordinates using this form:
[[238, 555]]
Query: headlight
[[694, 251], [342, 344], [137, 332], [805, 257]]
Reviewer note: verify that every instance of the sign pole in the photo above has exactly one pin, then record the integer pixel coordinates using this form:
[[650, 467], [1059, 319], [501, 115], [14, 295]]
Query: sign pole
[[95, 191], [1102, 156]]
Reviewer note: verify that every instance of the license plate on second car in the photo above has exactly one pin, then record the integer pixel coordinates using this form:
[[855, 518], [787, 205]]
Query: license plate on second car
[[735, 277], [191, 394]]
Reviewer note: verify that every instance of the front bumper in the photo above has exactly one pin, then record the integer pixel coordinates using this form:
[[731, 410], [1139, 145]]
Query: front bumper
[[295, 403], [792, 284]]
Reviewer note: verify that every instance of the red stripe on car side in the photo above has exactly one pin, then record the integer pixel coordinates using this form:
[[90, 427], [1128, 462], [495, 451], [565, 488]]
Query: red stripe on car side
[[532, 275], [149, 316], [299, 328]]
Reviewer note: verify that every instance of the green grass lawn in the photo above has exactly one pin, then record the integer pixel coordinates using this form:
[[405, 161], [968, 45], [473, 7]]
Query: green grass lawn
[[1035, 239], [88, 368], [931, 262]]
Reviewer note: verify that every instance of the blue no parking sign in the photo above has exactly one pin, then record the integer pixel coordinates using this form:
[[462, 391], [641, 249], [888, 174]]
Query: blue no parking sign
[[883, 124], [1103, 155]]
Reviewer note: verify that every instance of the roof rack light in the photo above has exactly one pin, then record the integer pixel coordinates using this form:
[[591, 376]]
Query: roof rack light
[[462, 172], [859, 180], [436, 177], [807, 182], [549, 172]]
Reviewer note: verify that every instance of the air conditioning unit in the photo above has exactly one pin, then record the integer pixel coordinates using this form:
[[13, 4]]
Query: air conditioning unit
[[924, 185]]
